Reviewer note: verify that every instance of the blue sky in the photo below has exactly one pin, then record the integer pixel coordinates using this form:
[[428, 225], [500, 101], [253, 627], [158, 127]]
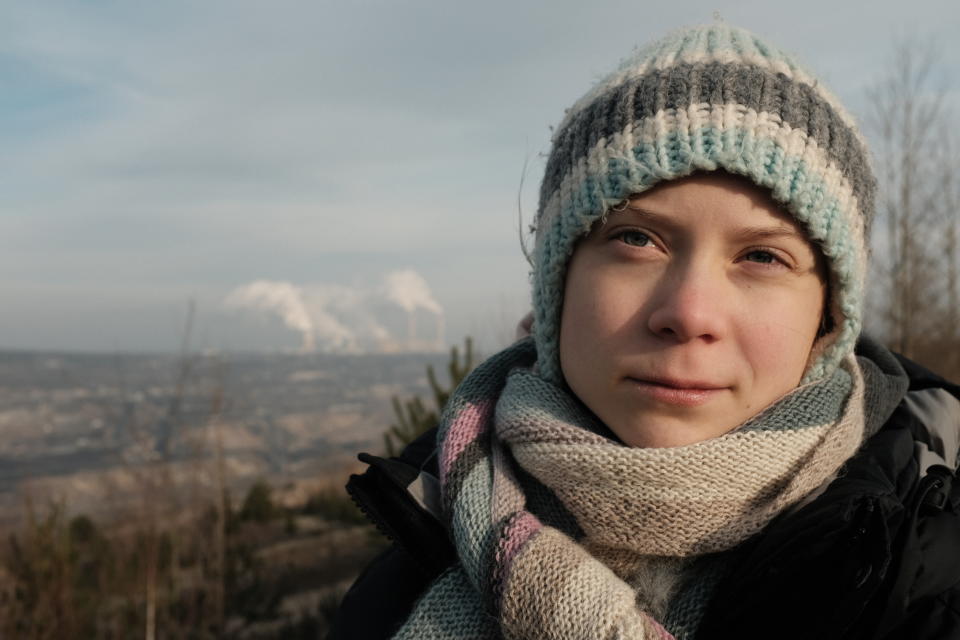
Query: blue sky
[[158, 152]]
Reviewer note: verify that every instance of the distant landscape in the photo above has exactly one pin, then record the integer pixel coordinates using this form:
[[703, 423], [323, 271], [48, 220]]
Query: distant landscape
[[80, 428], [195, 496]]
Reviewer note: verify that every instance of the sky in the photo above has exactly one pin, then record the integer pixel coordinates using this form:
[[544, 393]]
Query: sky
[[355, 166]]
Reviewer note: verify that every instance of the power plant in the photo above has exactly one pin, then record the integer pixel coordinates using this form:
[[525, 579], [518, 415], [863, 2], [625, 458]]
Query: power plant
[[340, 319]]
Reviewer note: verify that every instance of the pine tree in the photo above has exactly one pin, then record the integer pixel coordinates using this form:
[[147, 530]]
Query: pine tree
[[413, 416]]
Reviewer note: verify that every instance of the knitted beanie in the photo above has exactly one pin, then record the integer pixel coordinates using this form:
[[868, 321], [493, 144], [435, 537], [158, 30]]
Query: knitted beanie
[[702, 99]]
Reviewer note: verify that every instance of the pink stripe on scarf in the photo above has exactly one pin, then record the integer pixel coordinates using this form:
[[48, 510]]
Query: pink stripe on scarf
[[515, 535], [656, 627], [464, 429]]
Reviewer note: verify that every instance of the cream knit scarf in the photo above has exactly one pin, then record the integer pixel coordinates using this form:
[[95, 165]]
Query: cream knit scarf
[[557, 527]]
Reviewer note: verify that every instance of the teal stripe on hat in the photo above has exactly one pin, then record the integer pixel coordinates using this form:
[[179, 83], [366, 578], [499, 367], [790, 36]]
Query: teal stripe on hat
[[713, 84]]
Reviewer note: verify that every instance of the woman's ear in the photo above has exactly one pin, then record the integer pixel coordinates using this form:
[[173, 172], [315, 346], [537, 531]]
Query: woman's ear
[[525, 326]]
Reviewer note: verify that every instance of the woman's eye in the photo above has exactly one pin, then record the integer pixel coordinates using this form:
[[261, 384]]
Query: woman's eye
[[761, 256], [634, 238]]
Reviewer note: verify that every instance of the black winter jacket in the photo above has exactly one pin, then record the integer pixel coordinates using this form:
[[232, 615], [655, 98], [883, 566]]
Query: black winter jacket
[[875, 555]]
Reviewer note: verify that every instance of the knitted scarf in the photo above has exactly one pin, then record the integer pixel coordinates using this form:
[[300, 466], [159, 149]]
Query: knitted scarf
[[558, 527]]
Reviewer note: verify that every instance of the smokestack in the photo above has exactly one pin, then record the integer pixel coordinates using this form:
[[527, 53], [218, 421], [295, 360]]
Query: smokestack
[[408, 290], [411, 329], [441, 328]]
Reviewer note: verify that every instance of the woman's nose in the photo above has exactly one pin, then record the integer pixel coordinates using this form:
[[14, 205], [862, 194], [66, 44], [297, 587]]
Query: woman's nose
[[690, 304]]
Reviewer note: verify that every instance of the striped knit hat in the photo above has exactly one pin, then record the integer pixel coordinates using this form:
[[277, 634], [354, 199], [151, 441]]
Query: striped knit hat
[[708, 98]]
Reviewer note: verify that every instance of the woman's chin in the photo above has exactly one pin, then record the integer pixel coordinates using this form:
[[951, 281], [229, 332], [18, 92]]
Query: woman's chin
[[661, 431]]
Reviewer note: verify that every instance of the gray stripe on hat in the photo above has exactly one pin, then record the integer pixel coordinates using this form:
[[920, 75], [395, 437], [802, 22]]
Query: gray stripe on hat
[[799, 105]]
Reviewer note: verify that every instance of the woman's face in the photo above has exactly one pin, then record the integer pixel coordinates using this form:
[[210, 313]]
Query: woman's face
[[690, 311]]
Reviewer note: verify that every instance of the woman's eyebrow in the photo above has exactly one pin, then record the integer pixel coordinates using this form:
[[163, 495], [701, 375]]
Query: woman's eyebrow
[[771, 231], [645, 214]]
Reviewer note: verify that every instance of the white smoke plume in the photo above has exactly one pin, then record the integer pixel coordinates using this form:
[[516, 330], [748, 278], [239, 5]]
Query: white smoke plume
[[282, 298], [410, 291], [340, 318], [350, 307]]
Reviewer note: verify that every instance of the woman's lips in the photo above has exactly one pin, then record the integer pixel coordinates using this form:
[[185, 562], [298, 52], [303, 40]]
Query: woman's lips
[[680, 393]]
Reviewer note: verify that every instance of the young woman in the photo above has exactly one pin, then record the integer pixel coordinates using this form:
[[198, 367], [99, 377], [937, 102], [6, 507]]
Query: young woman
[[696, 442]]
